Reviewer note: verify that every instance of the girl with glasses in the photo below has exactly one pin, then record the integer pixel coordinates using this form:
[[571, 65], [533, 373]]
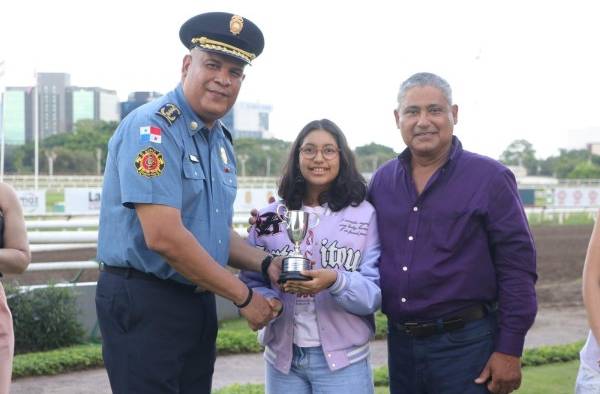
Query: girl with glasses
[[320, 341]]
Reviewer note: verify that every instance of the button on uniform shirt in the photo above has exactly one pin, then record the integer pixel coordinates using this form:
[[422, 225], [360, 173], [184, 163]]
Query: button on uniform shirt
[[163, 154], [464, 240]]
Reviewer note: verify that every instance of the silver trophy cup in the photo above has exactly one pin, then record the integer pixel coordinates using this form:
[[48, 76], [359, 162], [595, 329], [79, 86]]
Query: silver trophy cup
[[297, 224]]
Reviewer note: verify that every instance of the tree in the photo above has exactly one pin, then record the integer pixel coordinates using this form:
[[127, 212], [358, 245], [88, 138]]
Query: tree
[[585, 170], [521, 153], [565, 163], [75, 152], [261, 157], [371, 156]]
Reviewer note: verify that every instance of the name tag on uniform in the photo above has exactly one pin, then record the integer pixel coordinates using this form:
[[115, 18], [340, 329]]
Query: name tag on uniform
[[194, 159]]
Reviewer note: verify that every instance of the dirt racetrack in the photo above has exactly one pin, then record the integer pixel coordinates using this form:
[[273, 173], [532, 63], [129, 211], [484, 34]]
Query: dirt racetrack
[[561, 253]]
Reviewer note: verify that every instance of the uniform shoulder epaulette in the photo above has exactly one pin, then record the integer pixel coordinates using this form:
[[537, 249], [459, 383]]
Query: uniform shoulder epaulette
[[227, 133], [170, 112]]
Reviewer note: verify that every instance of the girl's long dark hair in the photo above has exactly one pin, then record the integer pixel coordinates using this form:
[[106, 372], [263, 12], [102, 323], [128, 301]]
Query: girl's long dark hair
[[348, 188]]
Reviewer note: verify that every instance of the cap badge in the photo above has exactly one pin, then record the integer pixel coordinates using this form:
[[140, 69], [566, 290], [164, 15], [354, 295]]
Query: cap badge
[[236, 24]]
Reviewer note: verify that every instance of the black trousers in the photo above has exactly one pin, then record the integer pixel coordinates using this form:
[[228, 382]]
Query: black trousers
[[157, 337]]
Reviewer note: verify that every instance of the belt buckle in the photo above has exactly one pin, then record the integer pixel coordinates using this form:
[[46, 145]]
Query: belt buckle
[[409, 327]]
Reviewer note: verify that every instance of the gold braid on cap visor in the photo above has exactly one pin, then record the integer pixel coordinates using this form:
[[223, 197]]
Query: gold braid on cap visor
[[207, 43]]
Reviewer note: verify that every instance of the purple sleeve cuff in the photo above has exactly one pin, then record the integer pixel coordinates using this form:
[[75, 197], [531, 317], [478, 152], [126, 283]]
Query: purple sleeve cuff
[[510, 343]]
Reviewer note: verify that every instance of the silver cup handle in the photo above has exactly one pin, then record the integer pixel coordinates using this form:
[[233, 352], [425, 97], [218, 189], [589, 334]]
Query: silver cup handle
[[282, 212]]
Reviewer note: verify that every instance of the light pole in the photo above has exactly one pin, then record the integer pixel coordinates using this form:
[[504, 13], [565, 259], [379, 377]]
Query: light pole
[[268, 166], [36, 133], [50, 156], [243, 158], [268, 169], [98, 161]]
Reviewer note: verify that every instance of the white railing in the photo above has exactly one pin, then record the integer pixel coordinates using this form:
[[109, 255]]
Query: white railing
[[59, 182], [62, 265], [82, 231]]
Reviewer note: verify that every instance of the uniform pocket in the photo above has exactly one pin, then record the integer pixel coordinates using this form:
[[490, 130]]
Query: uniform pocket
[[193, 173], [113, 302], [193, 198]]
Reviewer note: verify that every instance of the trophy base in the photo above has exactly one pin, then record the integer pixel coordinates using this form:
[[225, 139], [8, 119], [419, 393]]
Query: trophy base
[[292, 275]]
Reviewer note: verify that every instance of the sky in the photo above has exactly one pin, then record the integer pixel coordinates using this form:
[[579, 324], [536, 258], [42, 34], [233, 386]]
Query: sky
[[519, 69]]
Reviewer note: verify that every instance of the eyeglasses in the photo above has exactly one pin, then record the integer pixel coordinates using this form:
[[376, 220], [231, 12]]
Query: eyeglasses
[[329, 152]]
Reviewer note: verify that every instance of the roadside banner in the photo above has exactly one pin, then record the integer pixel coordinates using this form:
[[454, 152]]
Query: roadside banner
[[585, 197], [32, 201], [83, 200]]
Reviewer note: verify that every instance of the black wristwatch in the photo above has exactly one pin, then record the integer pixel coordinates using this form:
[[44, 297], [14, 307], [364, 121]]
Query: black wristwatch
[[264, 268]]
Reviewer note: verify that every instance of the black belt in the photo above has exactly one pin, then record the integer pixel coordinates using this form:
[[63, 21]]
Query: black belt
[[128, 272], [439, 326]]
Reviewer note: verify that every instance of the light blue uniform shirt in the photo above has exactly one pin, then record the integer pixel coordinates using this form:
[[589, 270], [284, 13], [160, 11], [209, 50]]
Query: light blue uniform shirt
[[166, 159]]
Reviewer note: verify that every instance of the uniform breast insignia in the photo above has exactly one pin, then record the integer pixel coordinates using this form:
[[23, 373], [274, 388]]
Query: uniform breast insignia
[[149, 163], [170, 112], [225, 160], [224, 156]]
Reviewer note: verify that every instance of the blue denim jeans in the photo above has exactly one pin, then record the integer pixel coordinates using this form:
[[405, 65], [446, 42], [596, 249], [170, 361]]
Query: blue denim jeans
[[310, 374], [446, 363]]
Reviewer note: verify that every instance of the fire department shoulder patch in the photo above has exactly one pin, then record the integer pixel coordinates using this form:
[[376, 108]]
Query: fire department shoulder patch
[[149, 163]]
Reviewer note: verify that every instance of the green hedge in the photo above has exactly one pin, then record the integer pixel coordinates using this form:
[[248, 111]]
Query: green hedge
[[44, 318], [242, 389], [58, 361], [551, 354]]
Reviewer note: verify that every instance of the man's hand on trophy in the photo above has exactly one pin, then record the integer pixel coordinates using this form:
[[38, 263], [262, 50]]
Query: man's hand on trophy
[[320, 279]]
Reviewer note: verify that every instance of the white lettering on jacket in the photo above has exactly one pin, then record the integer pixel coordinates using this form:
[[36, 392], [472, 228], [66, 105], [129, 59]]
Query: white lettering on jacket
[[342, 257], [284, 251]]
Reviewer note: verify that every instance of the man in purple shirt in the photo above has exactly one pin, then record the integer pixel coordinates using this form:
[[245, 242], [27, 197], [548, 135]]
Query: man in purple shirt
[[458, 260]]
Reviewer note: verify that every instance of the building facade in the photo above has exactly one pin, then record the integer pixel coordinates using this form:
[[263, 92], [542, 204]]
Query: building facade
[[135, 100], [17, 115], [52, 102], [248, 120], [91, 103]]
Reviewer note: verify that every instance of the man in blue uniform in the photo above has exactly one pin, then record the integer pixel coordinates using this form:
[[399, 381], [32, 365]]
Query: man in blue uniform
[[165, 221]]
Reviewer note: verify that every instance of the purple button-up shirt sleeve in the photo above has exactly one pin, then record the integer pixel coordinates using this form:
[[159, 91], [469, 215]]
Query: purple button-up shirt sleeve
[[514, 259]]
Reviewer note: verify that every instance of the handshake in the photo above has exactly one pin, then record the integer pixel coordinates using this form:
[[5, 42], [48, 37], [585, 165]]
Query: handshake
[[260, 310]]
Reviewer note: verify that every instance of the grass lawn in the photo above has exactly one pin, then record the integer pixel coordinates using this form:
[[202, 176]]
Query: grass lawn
[[556, 378], [53, 198], [573, 218]]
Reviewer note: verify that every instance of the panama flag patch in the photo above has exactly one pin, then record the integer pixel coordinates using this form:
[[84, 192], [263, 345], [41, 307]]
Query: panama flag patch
[[150, 134]]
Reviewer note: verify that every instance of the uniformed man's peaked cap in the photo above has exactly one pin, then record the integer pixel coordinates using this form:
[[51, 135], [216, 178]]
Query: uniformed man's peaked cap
[[223, 33]]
